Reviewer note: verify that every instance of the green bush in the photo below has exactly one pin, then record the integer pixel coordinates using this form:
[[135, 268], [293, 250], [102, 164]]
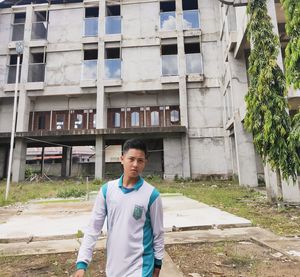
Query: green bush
[[71, 192]]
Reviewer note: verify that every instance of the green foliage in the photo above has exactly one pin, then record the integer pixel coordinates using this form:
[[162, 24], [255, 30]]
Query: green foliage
[[267, 117], [292, 51], [71, 192]]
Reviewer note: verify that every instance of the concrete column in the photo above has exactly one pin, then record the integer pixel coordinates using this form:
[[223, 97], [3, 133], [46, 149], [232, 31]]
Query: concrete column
[[66, 161], [24, 101], [245, 154], [3, 161], [101, 120], [19, 160], [99, 158]]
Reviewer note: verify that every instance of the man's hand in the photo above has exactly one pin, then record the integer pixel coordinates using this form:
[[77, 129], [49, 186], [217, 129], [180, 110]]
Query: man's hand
[[156, 272], [80, 273]]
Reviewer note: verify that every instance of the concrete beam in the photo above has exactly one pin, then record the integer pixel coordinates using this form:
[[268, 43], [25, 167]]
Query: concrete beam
[[19, 160]]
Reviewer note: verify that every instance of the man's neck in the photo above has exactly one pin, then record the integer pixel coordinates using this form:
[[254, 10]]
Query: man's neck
[[129, 182]]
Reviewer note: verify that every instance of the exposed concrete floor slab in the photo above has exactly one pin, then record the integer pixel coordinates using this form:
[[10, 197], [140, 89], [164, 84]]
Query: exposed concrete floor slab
[[66, 218]]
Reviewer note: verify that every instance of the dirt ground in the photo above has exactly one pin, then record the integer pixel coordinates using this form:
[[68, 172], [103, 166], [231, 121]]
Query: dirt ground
[[240, 259]]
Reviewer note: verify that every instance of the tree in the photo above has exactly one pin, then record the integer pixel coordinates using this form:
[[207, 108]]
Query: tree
[[292, 51], [267, 117]]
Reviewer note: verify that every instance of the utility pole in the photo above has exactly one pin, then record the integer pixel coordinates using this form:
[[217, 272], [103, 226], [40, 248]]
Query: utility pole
[[19, 50]]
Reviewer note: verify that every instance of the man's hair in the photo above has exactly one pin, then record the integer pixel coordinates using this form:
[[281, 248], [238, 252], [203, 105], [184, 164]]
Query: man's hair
[[135, 144]]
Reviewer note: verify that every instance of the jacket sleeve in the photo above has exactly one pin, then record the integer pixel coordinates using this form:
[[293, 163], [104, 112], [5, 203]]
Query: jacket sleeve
[[93, 230], [156, 215]]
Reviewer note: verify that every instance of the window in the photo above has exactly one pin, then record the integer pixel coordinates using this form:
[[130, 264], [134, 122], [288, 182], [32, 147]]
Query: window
[[60, 120], [18, 26], [39, 25], [91, 21], [78, 123], [167, 15], [154, 118], [36, 68], [89, 65], [169, 59], [174, 116], [190, 14], [112, 63], [135, 119], [193, 58], [41, 122], [12, 69], [94, 120], [117, 120], [113, 19]]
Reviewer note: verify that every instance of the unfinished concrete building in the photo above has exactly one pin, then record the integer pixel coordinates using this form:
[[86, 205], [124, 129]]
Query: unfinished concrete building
[[97, 72]]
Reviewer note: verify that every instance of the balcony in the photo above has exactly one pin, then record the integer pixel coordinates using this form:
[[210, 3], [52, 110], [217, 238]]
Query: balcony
[[39, 30], [11, 73], [36, 72], [191, 20], [169, 65], [17, 31], [194, 64], [89, 70], [167, 21], [113, 68], [91, 26], [113, 25]]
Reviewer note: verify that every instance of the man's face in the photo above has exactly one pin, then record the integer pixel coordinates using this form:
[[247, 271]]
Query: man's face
[[133, 162]]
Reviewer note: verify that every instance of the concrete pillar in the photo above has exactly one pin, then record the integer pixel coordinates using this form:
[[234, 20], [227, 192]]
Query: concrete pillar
[[101, 120], [19, 160], [3, 161], [24, 101], [66, 161], [99, 158], [245, 154]]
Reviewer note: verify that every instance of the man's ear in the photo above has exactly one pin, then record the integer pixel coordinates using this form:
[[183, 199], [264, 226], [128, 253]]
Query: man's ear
[[121, 159]]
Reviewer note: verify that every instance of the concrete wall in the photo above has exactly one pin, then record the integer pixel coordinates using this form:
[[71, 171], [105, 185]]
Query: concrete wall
[[6, 112], [63, 68], [63, 103], [208, 157], [65, 25], [138, 99], [173, 158], [140, 20]]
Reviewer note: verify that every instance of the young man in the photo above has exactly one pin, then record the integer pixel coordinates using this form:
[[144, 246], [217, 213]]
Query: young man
[[133, 208]]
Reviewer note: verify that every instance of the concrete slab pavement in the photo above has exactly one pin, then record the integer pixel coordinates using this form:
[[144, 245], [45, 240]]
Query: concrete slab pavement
[[44, 220]]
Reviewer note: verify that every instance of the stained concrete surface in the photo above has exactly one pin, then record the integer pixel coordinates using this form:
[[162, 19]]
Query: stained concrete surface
[[66, 218]]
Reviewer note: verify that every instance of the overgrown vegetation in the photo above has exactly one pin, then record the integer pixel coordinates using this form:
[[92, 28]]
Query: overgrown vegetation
[[23, 192], [267, 117]]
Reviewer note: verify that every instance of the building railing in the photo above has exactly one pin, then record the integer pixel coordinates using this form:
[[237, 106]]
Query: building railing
[[113, 68], [191, 19], [18, 31], [11, 73], [167, 21], [194, 63], [89, 70], [36, 72], [169, 65], [39, 30], [91, 26], [113, 25]]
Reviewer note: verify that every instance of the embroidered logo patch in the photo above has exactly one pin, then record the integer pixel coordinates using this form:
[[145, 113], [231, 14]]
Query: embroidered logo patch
[[137, 212]]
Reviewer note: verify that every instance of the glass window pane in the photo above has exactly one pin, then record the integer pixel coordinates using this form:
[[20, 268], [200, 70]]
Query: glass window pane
[[169, 65], [78, 121], [94, 120], [60, 120], [167, 21], [117, 120], [174, 116], [113, 68], [135, 119], [155, 118], [91, 26], [191, 20], [113, 25]]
